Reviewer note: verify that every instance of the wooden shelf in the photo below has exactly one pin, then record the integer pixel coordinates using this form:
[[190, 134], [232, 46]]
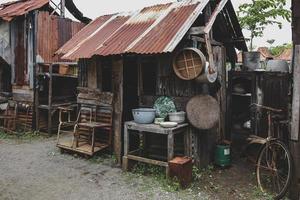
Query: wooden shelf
[[242, 95], [58, 63], [57, 75], [55, 106]]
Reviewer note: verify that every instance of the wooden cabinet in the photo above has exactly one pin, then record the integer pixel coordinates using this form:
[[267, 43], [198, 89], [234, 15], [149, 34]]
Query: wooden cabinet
[[245, 88]]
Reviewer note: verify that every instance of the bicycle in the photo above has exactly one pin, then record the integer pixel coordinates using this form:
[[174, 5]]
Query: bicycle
[[274, 161]]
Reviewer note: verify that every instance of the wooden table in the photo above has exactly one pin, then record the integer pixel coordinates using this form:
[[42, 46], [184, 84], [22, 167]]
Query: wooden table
[[156, 129]]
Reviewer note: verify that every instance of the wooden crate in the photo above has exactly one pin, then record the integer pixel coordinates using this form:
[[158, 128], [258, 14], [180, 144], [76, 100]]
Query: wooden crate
[[181, 168]]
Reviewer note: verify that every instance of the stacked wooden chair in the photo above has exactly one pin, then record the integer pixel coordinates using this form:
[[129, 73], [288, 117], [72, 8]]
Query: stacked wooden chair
[[8, 119]]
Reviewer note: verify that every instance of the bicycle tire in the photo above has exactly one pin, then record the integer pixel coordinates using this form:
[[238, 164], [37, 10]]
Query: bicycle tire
[[287, 153]]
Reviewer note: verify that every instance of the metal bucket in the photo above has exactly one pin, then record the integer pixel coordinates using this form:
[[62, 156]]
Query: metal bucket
[[222, 155], [251, 60], [207, 77], [278, 66]]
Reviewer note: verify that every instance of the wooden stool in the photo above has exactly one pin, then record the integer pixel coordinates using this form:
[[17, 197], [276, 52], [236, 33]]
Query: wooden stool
[[181, 167]]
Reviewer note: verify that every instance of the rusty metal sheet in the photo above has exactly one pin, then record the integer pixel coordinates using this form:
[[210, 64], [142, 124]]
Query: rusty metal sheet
[[83, 36], [9, 11], [158, 39], [52, 33], [155, 29]]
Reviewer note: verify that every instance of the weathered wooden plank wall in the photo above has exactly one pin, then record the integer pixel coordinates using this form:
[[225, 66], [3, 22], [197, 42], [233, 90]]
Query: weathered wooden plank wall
[[201, 143]]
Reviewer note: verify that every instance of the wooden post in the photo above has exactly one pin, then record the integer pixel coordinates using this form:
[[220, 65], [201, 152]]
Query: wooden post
[[220, 60], [117, 77], [296, 95], [63, 8], [36, 100], [50, 99], [295, 144]]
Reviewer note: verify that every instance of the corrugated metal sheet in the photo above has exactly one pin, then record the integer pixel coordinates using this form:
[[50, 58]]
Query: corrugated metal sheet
[[10, 10], [53, 32], [155, 29]]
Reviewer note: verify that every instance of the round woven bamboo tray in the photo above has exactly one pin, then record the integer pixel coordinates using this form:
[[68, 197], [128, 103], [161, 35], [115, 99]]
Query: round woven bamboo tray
[[203, 112], [189, 63]]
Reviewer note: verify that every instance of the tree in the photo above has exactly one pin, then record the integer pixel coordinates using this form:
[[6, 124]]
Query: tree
[[277, 50], [257, 15]]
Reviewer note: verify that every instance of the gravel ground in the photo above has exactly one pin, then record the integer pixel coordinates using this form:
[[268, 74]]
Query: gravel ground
[[36, 170]]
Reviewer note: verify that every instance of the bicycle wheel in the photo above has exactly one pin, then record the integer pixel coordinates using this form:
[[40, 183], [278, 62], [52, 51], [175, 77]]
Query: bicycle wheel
[[274, 169]]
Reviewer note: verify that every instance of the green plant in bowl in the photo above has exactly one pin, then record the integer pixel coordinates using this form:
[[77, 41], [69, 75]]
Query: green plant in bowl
[[163, 106]]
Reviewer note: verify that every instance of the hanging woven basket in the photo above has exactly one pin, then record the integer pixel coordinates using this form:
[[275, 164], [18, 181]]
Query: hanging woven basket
[[203, 112], [189, 63]]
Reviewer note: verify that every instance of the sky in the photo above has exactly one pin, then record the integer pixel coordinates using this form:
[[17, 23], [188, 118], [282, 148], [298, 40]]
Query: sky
[[95, 8]]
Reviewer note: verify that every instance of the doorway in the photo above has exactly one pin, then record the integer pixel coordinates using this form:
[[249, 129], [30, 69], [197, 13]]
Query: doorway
[[130, 87]]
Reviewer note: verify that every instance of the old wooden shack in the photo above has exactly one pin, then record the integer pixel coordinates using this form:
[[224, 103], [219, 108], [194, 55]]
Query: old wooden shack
[[30, 32], [130, 55]]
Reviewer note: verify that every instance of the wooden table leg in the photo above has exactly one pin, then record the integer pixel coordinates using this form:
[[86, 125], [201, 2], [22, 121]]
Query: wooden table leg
[[126, 148], [186, 142], [93, 140], [170, 150]]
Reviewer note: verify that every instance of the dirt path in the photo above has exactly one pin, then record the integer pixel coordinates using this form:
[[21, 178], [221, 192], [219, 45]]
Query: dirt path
[[36, 170]]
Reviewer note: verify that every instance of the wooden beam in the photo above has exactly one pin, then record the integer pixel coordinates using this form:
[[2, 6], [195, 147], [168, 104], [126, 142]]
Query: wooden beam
[[296, 96], [117, 77], [196, 30], [210, 53], [214, 15], [202, 40]]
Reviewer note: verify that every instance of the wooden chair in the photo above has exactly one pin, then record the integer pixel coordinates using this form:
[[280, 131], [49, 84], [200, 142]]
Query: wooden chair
[[8, 118], [94, 126], [81, 133], [64, 125], [105, 116]]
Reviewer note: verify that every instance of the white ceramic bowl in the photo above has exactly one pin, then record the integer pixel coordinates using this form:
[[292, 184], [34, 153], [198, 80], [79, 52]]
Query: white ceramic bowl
[[168, 124], [178, 117]]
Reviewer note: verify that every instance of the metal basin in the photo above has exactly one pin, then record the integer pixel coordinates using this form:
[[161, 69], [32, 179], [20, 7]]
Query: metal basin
[[143, 115]]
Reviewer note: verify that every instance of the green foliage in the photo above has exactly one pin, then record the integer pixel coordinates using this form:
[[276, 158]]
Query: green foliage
[[158, 173], [277, 50], [257, 15], [199, 173], [26, 136], [258, 194]]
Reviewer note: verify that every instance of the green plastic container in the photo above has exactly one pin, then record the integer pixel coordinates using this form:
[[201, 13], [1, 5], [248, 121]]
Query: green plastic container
[[222, 155]]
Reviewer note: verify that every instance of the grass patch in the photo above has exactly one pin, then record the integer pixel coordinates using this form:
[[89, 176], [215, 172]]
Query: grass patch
[[103, 158], [25, 136], [258, 194], [157, 174]]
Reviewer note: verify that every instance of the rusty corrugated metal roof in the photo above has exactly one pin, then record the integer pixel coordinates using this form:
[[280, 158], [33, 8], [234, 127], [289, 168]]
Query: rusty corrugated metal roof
[[10, 10], [155, 29]]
